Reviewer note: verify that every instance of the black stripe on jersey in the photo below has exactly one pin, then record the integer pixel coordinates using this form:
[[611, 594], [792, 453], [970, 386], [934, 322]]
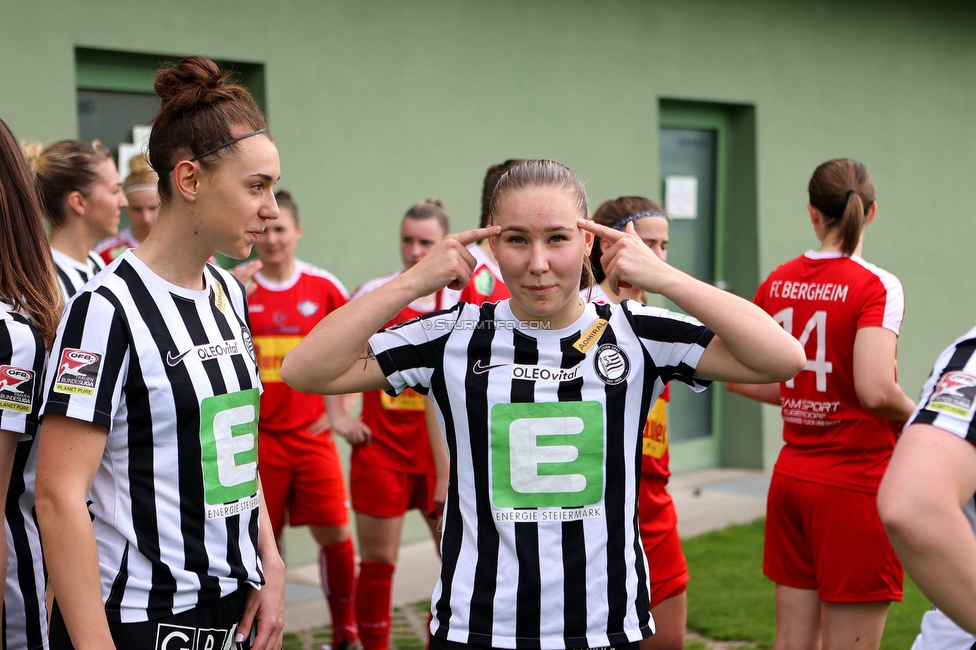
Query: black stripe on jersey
[[427, 354], [21, 550], [69, 288], [194, 527], [114, 601], [240, 366], [960, 357], [528, 605], [618, 459], [573, 534], [141, 470], [476, 402], [670, 330]]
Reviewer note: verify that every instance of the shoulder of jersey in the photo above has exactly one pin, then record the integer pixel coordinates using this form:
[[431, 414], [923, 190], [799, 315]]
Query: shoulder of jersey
[[887, 278], [374, 284], [316, 272]]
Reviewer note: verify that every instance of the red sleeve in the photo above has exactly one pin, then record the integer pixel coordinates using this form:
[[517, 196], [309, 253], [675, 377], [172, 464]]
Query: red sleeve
[[873, 299]]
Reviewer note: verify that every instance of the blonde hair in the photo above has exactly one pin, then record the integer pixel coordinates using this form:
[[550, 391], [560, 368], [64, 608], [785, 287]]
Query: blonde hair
[[62, 168], [141, 176], [431, 208]]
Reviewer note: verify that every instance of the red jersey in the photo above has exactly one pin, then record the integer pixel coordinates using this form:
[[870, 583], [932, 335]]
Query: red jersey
[[655, 458], [282, 314], [823, 299], [486, 283], [399, 424], [109, 249]]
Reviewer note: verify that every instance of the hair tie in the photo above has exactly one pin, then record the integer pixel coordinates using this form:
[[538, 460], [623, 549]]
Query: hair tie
[[620, 225], [849, 192], [218, 148]]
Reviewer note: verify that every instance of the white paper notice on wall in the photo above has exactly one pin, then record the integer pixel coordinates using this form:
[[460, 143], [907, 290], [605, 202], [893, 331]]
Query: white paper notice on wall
[[681, 196]]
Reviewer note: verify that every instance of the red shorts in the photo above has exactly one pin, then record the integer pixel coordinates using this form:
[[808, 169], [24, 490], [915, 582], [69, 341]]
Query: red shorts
[[831, 540], [383, 492], [301, 476], [659, 532]]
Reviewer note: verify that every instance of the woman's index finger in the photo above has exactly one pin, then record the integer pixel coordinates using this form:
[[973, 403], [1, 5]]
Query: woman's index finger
[[471, 236], [600, 230]]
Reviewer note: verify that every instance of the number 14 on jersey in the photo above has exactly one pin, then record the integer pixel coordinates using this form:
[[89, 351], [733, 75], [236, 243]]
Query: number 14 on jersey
[[819, 364]]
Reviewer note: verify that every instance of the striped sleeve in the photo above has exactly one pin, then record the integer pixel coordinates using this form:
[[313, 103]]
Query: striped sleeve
[[674, 342], [949, 396], [409, 352], [88, 362], [21, 369]]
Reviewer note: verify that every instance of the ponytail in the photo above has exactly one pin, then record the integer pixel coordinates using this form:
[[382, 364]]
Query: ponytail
[[843, 191]]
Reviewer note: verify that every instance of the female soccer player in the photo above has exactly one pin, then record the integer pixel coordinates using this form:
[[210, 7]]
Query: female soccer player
[[826, 550], [667, 567], [30, 307], [394, 470], [151, 404], [542, 400], [81, 195], [300, 470], [926, 498], [143, 199]]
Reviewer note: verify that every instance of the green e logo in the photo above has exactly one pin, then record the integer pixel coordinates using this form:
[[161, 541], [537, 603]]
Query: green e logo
[[547, 455], [229, 445]]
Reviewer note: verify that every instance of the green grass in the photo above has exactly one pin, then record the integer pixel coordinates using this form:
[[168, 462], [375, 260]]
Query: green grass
[[730, 600]]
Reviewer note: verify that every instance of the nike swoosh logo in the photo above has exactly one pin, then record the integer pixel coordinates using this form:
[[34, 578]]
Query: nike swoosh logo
[[480, 369], [173, 361]]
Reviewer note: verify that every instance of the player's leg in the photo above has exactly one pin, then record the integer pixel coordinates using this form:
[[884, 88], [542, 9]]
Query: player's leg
[[797, 619], [853, 625], [670, 621], [319, 500], [379, 499]]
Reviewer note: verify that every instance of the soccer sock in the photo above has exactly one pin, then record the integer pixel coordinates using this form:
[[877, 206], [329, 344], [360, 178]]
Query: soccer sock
[[374, 599], [338, 565]]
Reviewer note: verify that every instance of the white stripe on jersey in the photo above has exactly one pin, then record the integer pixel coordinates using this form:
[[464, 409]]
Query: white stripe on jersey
[[168, 372], [951, 404], [894, 312], [24, 609], [300, 268], [528, 555], [72, 274]]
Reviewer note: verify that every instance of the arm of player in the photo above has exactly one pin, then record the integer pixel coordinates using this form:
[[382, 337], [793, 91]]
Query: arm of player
[[354, 430], [874, 375], [265, 606], [69, 453], [749, 346], [335, 357], [931, 476], [765, 393], [8, 449], [442, 462]]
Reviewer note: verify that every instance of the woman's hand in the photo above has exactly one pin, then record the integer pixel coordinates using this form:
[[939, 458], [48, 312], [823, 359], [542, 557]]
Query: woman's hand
[[628, 261], [449, 263], [265, 608], [355, 431]]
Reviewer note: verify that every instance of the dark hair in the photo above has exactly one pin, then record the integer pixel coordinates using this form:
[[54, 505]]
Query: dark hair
[[27, 280], [544, 173], [432, 208], [611, 212], [62, 168], [843, 192], [284, 199], [198, 112], [491, 180]]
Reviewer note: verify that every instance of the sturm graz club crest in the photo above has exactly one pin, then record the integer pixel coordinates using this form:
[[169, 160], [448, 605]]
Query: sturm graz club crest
[[611, 364]]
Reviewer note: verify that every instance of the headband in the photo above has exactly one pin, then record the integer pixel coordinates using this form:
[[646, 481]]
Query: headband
[[620, 225], [143, 187], [218, 148]]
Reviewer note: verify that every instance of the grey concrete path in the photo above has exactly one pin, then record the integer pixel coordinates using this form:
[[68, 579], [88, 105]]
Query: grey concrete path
[[708, 500]]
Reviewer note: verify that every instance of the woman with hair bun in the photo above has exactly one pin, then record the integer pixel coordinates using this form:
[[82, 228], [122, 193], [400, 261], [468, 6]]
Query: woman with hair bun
[[666, 564], [393, 468], [826, 550], [152, 400], [81, 196], [142, 195], [30, 307]]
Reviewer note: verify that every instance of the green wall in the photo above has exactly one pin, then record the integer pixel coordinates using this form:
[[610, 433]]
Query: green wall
[[375, 105]]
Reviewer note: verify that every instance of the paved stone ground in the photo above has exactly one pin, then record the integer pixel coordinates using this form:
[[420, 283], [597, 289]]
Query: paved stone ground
[[408, 631]]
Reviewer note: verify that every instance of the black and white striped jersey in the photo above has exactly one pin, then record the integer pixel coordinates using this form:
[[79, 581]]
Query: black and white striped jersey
[[948, 398], [541, 546], [22, 357], [171, 373], [72, 274]]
